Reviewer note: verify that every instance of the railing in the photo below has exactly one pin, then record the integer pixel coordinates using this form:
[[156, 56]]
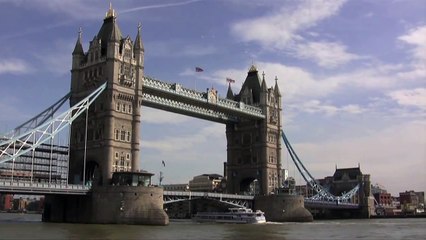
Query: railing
[[42, 188], [178, 90], [330, 204], [208, 194]]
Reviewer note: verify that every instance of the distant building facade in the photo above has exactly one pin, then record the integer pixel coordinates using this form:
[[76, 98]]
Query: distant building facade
[[412, 202], [47, 163], [206, 183], [6, 202], [383, 199]]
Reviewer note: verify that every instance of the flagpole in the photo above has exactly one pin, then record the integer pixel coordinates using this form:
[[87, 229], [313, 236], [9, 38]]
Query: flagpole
[[197, 70]]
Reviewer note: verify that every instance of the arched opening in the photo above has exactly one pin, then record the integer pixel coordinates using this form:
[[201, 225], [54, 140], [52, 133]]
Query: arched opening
[[250, 186], [93, 173]]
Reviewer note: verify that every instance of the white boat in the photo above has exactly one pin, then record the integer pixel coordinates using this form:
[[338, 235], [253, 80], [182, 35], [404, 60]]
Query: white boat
[[235, 215]]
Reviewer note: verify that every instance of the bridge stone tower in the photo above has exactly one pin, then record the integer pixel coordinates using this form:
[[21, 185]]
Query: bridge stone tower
[[113, 123], [254, 146]]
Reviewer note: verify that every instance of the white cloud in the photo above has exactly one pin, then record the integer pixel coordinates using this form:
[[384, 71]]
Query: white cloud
[[179, 49], [283, 29], [297, 83], [315, 106], [76, 9], [410, 97], [417, 38], [164, 5], [282, 26], [14, 66], [294, 82], [396, 150], [185, 142], [415, 71], [326, 54], [155, 116]]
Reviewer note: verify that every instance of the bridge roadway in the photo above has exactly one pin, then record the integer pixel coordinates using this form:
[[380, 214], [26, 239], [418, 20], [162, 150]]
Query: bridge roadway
[[246, 200], [34, 188], [205, 105]]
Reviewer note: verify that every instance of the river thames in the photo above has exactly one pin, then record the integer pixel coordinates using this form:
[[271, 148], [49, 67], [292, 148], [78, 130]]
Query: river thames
[[29, 226]]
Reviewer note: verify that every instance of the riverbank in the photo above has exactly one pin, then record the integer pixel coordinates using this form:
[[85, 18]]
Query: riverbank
[[399, 216]]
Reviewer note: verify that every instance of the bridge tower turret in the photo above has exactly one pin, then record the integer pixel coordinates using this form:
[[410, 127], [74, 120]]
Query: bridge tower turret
[[254, 146], [113, 123]]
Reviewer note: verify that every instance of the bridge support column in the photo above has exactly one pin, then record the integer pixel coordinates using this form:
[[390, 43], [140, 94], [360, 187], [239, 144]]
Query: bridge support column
[[108, 205], [283, 208]]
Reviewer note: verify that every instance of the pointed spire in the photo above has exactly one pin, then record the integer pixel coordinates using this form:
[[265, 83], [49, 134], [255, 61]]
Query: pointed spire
[[277, 90], [109, 30], [78, 49], [115, 33], [253, 82], [230, 94], [252, 68], [138, 41], [263, 87], [111, 12]]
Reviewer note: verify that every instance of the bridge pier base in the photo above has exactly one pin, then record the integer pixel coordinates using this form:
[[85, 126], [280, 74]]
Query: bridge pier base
[[283, 208], [108, 205]]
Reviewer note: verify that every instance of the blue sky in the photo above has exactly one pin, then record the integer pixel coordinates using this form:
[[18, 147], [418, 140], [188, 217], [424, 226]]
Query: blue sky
[[352, 75]]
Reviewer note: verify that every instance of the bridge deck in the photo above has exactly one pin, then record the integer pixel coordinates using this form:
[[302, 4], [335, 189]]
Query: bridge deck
[[177, 99], [42, 188], [208, 194]]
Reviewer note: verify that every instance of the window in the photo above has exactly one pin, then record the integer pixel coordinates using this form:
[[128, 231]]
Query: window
[[130, 108], [116, 157], [128, 136], [128, 157], [124, 107], [123, 135], [127, 53], [117, 132], [118, 106]]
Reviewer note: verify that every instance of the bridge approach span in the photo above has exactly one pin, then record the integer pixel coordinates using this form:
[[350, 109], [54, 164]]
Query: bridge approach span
[[42, 188]]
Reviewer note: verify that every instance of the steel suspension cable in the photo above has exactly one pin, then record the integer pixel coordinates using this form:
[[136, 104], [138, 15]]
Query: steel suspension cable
[[41, 132]]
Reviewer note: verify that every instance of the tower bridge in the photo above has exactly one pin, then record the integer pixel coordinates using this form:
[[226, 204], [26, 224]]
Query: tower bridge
[[108, 88]]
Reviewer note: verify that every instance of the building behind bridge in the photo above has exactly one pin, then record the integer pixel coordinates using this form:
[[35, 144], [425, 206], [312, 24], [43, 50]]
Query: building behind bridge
[[201, 183], [19, 203], [48, 163], [412, 202], [206, 183], [342, 181]]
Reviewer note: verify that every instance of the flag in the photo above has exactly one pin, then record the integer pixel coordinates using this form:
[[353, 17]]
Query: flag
[[164, 164], [198, 69], [230, 80]]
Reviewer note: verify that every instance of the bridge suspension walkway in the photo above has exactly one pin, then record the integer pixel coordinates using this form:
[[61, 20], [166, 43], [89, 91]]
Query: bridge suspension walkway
[[323, 195]]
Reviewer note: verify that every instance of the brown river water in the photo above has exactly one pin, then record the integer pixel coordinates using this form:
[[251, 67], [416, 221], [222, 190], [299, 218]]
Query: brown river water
[[29, 226]]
